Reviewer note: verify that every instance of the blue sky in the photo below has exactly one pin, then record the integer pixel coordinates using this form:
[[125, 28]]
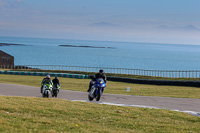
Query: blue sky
[[162, 21]]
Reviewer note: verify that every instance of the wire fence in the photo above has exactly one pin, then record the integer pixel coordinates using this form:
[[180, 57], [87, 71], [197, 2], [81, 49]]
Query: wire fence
[[139, 72]]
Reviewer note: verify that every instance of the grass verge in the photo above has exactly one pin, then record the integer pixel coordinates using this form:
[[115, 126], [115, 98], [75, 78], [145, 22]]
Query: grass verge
[[19, 114], [112, 87]]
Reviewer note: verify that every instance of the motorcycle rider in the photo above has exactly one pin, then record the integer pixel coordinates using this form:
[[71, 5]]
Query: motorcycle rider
[[101, 74], [56, 82], [45, 80]]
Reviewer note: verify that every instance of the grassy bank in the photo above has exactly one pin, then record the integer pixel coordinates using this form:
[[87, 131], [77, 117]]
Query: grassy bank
[[19, 114], [112, 87]]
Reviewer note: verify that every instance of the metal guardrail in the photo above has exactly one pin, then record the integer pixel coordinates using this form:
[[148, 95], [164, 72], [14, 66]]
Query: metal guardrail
[[67, 75], [140, 72]]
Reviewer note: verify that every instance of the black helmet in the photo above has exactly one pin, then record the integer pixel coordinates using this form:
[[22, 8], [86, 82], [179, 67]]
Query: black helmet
[[101, 71]]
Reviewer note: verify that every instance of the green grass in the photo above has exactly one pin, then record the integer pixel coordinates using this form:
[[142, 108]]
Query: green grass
[[112, 87], [20, 114]]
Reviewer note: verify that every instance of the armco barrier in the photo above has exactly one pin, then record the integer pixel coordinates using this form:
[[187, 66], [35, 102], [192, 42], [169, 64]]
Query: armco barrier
[[67, 75], [127, 71], [118, 79], [156, 82]]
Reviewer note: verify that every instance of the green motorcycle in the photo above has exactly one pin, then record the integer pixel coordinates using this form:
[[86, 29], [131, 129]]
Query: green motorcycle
[[47, 89]]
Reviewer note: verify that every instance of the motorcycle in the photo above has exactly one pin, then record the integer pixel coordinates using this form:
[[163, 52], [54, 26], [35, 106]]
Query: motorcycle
[[55, 90], [97, 90], [47, 89]]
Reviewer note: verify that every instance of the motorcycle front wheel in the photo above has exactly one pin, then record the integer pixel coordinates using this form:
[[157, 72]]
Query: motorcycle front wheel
[[98, 95], [55, 93], [47, 93]]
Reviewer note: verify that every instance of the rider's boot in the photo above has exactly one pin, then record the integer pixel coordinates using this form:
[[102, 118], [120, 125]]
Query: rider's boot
[[89, 88], [41, 89]]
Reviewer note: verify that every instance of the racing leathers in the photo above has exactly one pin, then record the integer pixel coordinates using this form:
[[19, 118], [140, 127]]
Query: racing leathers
[[44, 81], [56, 82], [98, 75]]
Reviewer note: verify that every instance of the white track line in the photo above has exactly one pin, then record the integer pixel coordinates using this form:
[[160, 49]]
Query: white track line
[[141, 106]]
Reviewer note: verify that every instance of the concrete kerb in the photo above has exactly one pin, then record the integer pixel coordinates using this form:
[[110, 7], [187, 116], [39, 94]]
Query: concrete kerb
[[66, 75]]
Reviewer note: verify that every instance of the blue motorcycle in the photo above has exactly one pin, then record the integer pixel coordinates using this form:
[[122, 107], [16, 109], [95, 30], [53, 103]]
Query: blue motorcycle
[[97, 90]]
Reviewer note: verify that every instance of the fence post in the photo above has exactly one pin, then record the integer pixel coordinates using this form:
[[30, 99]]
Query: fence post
[[196, 74], [164, 74]]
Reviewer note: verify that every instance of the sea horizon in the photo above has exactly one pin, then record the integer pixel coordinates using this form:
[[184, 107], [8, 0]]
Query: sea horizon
[[132, 55], [139, 42]]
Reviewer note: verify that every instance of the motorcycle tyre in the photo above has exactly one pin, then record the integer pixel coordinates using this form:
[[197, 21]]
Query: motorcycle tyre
[[48, 94], [98, 95], [55, 93]]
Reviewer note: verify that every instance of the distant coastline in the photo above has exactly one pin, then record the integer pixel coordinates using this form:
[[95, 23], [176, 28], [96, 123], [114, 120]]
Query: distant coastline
[[11, 44], [83, 46]]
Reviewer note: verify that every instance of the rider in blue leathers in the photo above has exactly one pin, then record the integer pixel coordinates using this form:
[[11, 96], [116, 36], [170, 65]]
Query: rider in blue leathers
[[101, 74]]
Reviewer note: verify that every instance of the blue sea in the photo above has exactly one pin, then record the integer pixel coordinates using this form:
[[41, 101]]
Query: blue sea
[[133, 55]]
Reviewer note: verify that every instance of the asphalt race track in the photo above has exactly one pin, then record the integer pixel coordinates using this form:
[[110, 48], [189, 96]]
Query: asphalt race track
[[191, 106]]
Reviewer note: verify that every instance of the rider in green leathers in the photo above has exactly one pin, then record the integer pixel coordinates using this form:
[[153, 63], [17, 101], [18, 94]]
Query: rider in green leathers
[[46, 80]]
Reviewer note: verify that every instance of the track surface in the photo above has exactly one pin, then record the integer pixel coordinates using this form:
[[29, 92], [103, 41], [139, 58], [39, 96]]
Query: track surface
[[180, 104]]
